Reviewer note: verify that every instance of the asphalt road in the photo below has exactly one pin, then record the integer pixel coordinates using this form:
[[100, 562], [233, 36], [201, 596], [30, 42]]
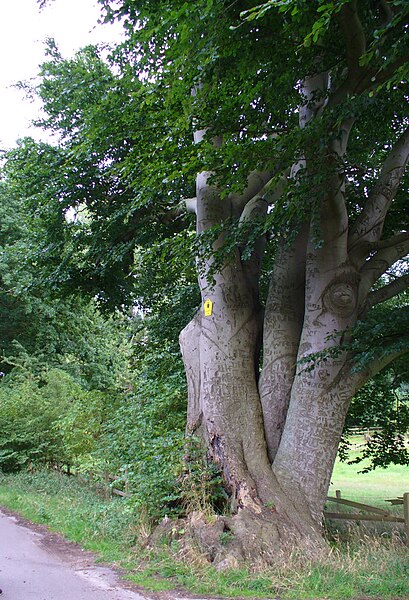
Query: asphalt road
[[38, 565]]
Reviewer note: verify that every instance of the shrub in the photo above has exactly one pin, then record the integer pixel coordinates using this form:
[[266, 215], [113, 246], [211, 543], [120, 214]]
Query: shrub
[[45, 418]]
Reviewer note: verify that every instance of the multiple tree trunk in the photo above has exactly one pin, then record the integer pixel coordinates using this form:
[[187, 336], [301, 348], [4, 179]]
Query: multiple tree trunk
[[274, 432]]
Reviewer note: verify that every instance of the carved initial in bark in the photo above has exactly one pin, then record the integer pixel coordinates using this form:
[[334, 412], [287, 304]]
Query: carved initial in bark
[[275, 432]]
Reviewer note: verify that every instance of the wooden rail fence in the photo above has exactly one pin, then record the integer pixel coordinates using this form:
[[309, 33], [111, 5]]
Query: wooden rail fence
[[365, 511], [125, 492], [107, 480], [371, 513]]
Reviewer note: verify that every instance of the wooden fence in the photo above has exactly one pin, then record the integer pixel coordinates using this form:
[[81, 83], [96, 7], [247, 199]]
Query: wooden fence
[[104, 483], [109, 478], [365, 512], [371, 513]]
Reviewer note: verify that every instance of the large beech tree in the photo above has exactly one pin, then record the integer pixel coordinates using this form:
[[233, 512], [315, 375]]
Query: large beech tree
[[292, 119]]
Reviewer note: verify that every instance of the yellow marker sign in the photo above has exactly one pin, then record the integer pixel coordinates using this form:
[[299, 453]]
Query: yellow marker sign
[[208, 308]]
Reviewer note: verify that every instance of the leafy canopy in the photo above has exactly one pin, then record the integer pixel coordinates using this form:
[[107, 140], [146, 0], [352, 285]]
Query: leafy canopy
[[107, 199]]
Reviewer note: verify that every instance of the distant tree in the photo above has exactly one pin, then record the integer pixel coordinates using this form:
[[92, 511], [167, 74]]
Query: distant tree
[[52, 332], [381, 407]]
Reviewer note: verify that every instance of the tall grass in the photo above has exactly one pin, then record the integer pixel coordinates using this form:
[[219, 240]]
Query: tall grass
[[372, 567], [67, 506]]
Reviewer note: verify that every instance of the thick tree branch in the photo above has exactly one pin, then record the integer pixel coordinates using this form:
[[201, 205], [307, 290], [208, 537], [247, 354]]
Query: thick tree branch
[[256, 182], [314, 93], [379, 264], [254, 210], [334, 217], [395, 240], [282, 329], [355, 46], [333, 220], [274, 190], [266, 195], [376, 79], [388, 291], [370, 79], [374, 367], [361, 78], [190, 204], [366, 249], [354, 38], [339, 144], [368, 227]]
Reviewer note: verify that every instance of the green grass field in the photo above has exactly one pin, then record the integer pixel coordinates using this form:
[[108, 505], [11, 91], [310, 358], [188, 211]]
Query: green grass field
[[370, 488]]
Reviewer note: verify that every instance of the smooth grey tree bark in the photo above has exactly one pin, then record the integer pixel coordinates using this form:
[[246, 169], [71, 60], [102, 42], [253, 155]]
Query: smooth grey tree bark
[[275, 431]]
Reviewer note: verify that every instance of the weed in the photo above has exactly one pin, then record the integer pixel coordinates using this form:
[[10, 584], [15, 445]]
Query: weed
[[201, 483], [226, 537]]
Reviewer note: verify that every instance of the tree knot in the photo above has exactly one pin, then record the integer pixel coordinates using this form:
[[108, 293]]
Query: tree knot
[[341, 295]]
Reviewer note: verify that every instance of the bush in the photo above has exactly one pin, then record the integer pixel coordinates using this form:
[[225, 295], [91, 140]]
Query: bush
[[45, 418], [145, 437]]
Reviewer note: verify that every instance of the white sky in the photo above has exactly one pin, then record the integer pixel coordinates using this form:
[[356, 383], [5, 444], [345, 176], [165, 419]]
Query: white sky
[[23, 29]]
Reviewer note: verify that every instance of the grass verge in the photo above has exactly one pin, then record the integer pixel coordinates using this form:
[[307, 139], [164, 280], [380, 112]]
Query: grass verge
[[370, 567]]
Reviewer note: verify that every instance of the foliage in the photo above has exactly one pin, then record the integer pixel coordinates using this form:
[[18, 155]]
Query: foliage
[[92, 417], [100, 215], [382, 406], [117, 421], [69, 397], [143, 439], [70, 333], [201, 483], [126, 158], [88, 238], [388, 400], [46, 418]]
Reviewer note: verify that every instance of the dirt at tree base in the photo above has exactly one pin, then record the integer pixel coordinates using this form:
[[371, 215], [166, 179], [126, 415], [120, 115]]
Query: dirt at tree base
[[231, 542]]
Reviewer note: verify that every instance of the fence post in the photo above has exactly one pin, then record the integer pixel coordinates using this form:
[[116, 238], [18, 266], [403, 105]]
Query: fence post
[[406, 515], [338, 496], [126, 482], [107, 487]]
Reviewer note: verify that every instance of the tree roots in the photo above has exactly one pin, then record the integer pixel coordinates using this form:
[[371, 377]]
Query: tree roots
[[246, 537]]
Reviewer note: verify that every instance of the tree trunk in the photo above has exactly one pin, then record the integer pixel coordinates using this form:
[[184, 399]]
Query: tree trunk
[[313, 428], [283, 322], [275, 437], [221, 354], [321, 392]]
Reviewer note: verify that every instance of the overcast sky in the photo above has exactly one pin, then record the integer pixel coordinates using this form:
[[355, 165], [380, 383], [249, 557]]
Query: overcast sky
[[23, 29]]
